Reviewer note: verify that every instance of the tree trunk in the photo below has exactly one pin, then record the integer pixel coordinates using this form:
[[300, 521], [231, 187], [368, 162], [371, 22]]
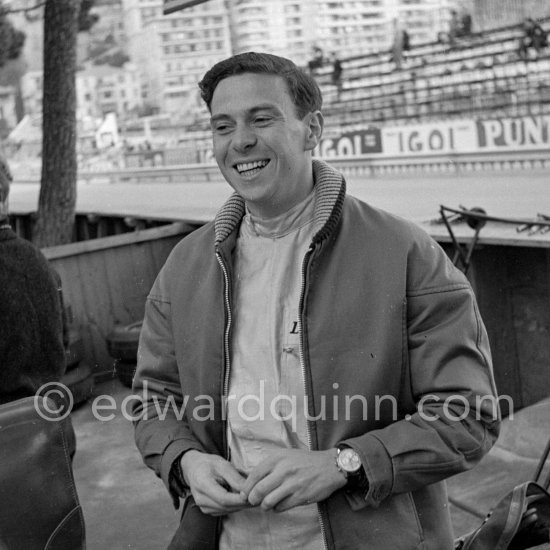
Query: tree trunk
[[57, 201]]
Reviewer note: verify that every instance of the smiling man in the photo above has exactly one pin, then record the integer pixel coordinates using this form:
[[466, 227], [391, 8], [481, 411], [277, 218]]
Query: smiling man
[[312, 368], [261, 140]]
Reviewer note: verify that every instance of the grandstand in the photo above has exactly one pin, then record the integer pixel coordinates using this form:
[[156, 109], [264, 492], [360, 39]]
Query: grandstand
[[481, 75], [477, 78]]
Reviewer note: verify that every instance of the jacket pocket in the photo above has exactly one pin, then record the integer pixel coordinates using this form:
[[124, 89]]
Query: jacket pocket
[[414, 513]]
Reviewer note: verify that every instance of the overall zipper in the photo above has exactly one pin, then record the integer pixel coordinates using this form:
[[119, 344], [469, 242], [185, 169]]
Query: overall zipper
[[305, 263], [227, 356]]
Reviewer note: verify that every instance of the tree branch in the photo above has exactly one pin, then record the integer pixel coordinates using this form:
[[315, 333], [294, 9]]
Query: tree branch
[[7, 11]]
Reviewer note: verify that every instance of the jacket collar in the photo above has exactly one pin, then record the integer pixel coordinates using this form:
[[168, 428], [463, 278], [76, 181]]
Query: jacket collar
[[330, 190]]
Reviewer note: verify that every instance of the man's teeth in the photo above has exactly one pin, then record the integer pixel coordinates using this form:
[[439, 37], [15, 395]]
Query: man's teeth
[[248, 166]]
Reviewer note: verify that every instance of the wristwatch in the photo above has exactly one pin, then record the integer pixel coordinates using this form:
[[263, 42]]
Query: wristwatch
[[348, 462]]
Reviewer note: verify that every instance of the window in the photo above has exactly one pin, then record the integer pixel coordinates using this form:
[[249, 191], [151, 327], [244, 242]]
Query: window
[[294, 33]]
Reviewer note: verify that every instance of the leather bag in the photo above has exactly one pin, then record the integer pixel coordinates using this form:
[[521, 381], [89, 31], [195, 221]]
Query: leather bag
[[519, 521], [39, 506]]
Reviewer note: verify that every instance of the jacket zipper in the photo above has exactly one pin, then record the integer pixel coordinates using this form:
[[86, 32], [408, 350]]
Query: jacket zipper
[[227, 356], [305, 264]]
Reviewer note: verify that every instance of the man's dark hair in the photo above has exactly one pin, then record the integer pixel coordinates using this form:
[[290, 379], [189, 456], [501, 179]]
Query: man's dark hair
[[303, 89]]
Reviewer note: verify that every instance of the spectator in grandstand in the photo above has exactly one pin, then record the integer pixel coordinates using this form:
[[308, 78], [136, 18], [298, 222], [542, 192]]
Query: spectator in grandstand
[[275, 327], [336, 75], [454, 27], [401, 43], [465, 23], [317, 60], [534, 36], [443, 37], [32, 334]]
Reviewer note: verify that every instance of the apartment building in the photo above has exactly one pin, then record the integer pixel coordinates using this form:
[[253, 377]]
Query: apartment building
[[103, 89], [489, 14], [110, 23], [349, 27], [99, 90], [282, 27], [173, 51]]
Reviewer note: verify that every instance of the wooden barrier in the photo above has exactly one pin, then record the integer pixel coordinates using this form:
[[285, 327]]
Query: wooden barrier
[[512, 286], [106, 281]]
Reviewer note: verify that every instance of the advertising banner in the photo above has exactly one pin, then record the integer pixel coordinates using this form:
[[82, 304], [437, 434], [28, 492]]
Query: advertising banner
[[453, 136], [349, 144], [528, 132], [442, 138]]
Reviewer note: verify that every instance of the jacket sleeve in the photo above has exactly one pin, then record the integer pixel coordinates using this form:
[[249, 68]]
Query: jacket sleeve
[[162, 432], [448, 362]]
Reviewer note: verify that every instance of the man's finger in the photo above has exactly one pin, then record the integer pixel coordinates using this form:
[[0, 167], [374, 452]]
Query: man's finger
[[221, 493], [215, 499], [279, 499], [255, 477], [265, 487], [233, 479]]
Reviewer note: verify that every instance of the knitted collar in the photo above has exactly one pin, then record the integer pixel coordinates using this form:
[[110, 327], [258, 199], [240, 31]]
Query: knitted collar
[[330, 190]]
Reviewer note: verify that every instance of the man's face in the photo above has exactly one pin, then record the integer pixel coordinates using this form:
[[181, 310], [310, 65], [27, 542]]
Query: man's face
[[262, 147]]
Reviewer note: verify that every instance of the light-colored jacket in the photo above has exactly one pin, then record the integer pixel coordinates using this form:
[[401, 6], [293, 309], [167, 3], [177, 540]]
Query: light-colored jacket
[[394, 353]]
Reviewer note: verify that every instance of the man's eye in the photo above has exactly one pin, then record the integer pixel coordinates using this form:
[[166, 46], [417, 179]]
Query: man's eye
[[221, 128], [262, 119]]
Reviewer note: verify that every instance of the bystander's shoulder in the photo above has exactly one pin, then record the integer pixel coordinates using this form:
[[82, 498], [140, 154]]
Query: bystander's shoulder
[[31, 319]]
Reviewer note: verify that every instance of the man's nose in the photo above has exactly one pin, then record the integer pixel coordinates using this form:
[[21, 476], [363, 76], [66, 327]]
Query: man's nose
[[243, 138]]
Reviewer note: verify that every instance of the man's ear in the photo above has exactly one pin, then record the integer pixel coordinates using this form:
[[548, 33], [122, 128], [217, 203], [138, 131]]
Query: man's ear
[[315, 123]]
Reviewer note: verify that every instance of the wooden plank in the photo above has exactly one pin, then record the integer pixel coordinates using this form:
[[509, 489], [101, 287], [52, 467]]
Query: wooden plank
[[69, 273], [97, 312], [144, 272], [73, 295], [491, 234], [493, 284], [108, 285], [115, 241], [119, 283], [532, 326]]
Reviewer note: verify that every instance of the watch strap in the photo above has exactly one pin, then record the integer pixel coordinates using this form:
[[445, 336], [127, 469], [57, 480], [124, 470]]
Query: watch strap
[[355, 480]]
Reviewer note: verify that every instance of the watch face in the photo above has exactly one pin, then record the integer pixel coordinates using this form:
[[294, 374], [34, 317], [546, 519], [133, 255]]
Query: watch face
[[349, 460]]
